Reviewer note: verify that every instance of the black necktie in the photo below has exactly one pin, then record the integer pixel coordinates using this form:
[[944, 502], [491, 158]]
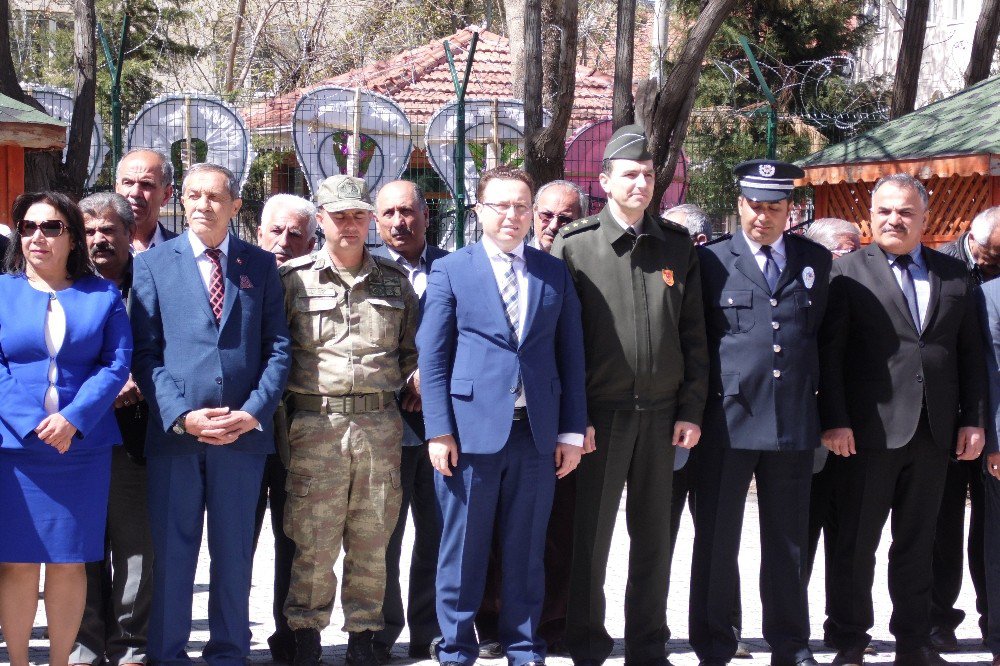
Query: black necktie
[[771, 272], [904, 262]]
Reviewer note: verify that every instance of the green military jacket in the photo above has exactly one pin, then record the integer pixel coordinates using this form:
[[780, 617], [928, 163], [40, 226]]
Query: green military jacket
[[643, 322], [352, 335]]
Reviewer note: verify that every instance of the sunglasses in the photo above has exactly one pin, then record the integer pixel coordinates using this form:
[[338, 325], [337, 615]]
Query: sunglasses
[[50, 228], [560, 219]]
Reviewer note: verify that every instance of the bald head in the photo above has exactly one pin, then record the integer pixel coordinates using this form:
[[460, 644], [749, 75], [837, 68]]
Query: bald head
[[401, 213]]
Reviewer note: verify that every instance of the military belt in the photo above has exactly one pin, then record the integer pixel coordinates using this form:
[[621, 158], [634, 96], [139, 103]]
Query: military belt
[[341, 404]]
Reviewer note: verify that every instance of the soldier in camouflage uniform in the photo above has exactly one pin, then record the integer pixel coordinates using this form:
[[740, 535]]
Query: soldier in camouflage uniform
[[353, 318]]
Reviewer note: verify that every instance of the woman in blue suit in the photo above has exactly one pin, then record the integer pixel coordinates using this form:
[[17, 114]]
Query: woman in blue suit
[[65, 346]]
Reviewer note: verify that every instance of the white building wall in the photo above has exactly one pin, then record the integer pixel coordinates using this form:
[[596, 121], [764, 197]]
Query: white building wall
[[950, 27]]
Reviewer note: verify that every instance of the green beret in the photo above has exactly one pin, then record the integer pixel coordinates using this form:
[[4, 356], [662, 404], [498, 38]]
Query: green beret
[[628, 143]]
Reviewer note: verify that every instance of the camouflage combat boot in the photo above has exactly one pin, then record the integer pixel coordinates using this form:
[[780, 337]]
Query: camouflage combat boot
[[308, 650], [359, 649]]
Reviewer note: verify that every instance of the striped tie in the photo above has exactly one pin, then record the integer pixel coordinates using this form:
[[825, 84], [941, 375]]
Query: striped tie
[[508, 292], [216, 288]]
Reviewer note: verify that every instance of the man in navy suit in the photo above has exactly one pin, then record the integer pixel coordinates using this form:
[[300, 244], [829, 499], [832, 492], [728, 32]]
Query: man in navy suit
[[401, 214], [764, 292], [502, 381], [212, 359]]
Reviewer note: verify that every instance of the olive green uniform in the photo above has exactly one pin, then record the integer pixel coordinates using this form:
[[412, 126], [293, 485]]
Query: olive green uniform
[[352, 346], [647, 367]]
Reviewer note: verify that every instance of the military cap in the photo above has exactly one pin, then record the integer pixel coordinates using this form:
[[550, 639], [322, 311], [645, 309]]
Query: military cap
[[338, 193], [628, 143], [767, 180]]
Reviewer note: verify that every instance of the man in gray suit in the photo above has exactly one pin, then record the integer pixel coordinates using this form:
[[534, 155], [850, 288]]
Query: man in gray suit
[[402, 215], [145, 178]]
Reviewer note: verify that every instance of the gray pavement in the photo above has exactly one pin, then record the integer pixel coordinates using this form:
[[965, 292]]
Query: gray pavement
[[335, 640]]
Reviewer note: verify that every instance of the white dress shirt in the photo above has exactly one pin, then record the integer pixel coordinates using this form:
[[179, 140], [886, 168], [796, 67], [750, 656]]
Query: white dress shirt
[[777, 252], [204, 263], [416, 274], [499, 265], [55, 333], [921, 280], [637, 227]]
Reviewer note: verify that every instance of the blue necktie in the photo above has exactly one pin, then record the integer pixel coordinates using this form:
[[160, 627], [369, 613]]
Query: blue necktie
[[771, 272]]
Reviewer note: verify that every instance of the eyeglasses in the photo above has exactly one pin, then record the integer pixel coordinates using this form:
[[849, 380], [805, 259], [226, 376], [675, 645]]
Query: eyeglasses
[[549, 216], [502, 208], [50, 228]]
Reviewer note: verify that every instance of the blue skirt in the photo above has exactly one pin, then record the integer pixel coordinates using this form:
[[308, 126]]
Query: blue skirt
[[53, 508]]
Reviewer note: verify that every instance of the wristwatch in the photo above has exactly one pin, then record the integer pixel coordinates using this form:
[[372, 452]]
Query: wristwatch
[[178, 426]]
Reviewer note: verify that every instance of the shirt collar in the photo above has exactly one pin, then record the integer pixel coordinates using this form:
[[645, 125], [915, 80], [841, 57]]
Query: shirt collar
[[915, 254], [625, 225], [777, 247], [492, 251], [199, 247], [396, 256]]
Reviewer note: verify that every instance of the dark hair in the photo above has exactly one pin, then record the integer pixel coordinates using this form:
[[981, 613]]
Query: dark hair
[[503, 173], [78, 263]]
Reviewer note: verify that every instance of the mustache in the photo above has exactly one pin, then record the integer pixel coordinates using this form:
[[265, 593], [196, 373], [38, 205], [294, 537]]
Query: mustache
[[103, 246]]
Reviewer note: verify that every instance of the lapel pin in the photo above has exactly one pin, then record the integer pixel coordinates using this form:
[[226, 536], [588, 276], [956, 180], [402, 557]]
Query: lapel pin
[[239, 260]]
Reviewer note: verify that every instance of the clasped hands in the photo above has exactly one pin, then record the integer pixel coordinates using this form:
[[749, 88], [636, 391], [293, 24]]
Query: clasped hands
[[219, 426], [56, 431]]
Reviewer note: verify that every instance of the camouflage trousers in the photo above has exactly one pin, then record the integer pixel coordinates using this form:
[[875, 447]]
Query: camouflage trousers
[[343, 489]]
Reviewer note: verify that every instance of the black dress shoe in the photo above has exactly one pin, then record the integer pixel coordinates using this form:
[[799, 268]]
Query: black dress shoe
[[849, 657], [587, 662], [282, 646], [383, 652], [944, 639], [308, 650], [490, 649], [419, 650], [655, 661], [925, 656]]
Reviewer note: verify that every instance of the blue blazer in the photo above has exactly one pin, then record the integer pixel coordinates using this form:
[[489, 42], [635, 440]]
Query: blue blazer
[[469, 364], [753, 334], [93, 361], [185, 361]]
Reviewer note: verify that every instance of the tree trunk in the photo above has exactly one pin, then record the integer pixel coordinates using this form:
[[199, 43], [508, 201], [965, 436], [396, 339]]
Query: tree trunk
[[8, 74], [666, 116], [911, 51], [514, 10], [227, 83], [550, 78], [622, 109], [660, 39], [77, 165], [984, 43]]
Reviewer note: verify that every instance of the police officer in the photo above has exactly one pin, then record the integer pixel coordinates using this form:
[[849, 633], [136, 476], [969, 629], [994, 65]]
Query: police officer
[[647, 364], [352, 318], [764, 292]]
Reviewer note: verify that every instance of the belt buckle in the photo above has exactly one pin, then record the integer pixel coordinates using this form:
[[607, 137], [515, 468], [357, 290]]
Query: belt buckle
[[349, 400]]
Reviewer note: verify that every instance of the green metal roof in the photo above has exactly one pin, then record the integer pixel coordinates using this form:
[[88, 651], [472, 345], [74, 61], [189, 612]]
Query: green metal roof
[[12, 111], [967, 123]]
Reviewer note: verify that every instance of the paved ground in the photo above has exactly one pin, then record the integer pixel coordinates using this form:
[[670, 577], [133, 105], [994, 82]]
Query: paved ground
[[335, 640]]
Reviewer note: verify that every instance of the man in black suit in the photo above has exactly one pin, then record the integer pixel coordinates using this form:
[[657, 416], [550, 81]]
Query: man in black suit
[[764, 293], [902, 370], [402, 216]]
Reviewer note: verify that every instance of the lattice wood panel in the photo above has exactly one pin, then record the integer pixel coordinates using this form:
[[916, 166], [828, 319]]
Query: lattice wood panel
[[954, 201]]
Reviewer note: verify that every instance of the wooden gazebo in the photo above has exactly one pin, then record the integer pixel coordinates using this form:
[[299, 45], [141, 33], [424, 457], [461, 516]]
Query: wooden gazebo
[[952, 146], [22, 127]]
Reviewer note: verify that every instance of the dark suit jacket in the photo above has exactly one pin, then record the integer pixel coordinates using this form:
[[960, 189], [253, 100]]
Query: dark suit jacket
[[469, 364], [877, 369], [414, 420], [748, 407], [185, 361]]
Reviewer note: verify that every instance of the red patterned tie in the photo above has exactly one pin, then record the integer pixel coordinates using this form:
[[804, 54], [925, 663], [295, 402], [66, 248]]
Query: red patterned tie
[[216, 288]]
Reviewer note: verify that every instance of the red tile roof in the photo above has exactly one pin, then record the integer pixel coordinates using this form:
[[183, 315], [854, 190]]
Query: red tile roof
[[419, 80]]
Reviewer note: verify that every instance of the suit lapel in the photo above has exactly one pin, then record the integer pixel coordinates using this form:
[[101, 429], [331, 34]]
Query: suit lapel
[[793, 265], [885, 280], [235, 267], [746, 263], [191, 277], [935, 279], [533, 269], [488, 285]]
